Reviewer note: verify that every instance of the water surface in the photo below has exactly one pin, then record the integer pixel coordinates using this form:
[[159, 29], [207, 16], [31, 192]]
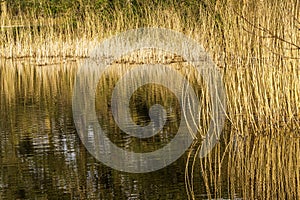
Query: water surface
[[42, 157]]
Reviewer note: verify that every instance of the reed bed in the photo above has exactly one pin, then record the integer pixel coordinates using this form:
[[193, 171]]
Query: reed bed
[[256, 46], [257, 52]]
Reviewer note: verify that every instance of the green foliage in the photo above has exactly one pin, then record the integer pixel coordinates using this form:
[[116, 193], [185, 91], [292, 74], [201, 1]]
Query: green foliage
[[104, 7]]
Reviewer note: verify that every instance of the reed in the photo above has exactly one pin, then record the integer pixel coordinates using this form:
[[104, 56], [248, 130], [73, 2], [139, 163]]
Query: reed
[[256, 46]]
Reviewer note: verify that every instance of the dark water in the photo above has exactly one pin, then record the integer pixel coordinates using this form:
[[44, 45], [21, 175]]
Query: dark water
[[42, 156]]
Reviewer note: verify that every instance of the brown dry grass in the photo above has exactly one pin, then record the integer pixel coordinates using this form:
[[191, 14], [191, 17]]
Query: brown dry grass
[[255, 44]]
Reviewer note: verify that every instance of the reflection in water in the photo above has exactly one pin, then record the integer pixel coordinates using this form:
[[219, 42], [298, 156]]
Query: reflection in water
[[42, 157], [140, 103]]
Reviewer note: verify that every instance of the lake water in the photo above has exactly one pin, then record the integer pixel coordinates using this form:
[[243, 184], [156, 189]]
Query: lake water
[[42, 156]]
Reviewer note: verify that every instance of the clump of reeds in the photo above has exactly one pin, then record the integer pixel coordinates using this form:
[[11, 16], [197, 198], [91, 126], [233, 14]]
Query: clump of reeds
[[255, 44]]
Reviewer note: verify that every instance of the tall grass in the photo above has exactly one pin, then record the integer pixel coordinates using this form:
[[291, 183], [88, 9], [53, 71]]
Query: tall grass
[[255, 44], [257, 51]]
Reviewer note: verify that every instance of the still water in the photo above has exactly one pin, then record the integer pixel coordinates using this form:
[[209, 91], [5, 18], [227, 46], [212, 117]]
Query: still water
[[42, 156]]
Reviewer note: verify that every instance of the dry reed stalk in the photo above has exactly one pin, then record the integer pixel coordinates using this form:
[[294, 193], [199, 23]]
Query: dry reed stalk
[[254, 44]]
